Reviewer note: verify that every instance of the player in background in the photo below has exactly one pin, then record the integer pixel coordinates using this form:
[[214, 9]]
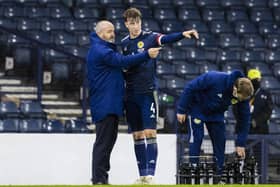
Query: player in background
[[141, 100], [204, 101]]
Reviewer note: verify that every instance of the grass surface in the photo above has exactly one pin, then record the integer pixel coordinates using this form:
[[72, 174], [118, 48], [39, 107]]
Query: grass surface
[[227, 185]]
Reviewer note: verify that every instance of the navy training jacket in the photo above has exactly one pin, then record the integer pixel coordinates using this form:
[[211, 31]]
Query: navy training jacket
[[208, 97], [105, 76], [141, 79]]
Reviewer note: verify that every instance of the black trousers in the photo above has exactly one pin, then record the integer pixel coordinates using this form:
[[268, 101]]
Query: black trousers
[[106, 135]]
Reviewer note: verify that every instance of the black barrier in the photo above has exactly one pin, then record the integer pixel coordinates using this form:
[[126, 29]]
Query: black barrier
[[236, 171]]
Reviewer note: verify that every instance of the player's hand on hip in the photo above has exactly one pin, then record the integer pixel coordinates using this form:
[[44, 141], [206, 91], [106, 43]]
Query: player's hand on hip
[[241, 152], [190, 33], [181, 118], [153, 52]]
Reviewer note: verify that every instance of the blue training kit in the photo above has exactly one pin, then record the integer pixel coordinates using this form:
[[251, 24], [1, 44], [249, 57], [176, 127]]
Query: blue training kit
[[104, 66], [106, 90], [141, 79], [205, 99], [140, 102]]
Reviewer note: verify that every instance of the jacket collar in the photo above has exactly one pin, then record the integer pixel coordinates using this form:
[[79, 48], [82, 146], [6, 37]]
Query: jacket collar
[[95, 39], [233, 76]]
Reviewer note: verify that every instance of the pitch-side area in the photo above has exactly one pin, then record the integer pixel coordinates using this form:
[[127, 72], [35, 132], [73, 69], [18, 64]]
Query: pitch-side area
[[179, 185]]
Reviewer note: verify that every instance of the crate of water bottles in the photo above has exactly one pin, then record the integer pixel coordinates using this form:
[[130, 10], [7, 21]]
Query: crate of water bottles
[[236, 171]]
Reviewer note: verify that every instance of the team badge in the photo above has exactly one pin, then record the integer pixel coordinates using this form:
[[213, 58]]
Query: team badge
[[140, 44], [197, 121], [234, 101]]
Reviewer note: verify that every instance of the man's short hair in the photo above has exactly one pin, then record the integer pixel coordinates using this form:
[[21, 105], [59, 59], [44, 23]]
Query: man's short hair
[[133, 13], [244, 87]]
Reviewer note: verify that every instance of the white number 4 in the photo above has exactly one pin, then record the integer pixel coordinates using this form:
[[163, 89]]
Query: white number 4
[[153, 109]]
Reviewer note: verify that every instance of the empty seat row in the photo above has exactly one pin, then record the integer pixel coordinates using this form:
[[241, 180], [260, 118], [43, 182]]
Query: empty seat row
[[42, 126], [219, 56], [178, 3], [175, 84], [27, 109]]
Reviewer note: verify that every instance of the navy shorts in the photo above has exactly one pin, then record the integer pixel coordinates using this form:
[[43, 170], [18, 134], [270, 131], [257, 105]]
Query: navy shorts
[[141, 111]]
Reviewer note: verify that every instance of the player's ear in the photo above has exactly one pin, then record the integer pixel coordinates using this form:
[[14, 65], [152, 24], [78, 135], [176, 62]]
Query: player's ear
[[126, 24]]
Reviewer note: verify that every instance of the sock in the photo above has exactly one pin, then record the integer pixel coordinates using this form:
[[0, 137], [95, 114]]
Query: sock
[[152, 152], [140, 153]]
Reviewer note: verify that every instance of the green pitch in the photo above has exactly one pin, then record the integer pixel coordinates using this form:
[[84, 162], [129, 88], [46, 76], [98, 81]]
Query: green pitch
[[229, 185]]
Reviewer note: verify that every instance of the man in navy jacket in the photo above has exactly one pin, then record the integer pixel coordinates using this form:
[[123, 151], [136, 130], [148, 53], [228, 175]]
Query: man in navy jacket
[[204, 100], [106, 90]]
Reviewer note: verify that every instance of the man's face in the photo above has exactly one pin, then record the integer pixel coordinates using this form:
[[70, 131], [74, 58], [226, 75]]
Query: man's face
[[134, 26], [108, 34]]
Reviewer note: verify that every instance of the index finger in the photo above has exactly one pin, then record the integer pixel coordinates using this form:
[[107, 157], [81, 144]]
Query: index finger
[[196, 35]]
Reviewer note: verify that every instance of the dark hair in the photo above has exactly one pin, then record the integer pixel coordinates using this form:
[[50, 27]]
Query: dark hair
[[132, 13]]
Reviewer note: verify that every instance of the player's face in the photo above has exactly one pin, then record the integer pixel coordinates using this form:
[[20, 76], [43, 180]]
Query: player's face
[[134, 26], [108, 34]]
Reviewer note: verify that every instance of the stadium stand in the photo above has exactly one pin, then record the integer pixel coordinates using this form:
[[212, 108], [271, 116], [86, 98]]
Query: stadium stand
[[234, 34]]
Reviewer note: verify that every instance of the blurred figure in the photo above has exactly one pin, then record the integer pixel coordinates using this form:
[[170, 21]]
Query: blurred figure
[[260, 105], [260, 109]]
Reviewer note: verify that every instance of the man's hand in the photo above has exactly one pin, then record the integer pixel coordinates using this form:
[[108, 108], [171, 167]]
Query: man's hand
[[153, 52], [190, 33], [241, 152], [181, 118]]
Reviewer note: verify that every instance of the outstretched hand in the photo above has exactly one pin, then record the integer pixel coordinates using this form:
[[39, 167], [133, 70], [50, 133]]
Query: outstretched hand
[[190, 33], [153, 52]]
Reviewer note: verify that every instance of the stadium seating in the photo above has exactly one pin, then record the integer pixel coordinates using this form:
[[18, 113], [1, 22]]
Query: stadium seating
[[207, 41], [76, 126], [186, 14], [32, 109], [30, 125], [273, 42], [252, 56], [9, 125], [236, 14], [228, 56], [52, 25], [253, 42], [220, 27], [75, 26], [231, 3], [212, 15], [165, 69], [187, 69], [43, 37], [53, 126], [229, 41], [86, 3], [169, 26], [234, 34], [60, 72], [36, 12], [228, 67], [8, 109]]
